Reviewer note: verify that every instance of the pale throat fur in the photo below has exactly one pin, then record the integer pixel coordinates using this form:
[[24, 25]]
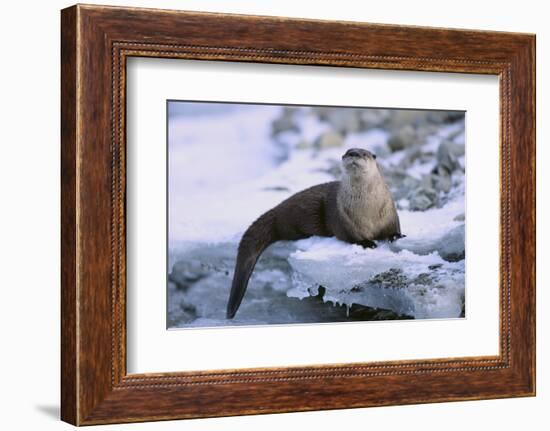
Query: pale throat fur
[[365, 200]]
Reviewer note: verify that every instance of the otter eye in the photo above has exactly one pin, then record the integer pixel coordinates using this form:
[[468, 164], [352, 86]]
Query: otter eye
[[374, 156]]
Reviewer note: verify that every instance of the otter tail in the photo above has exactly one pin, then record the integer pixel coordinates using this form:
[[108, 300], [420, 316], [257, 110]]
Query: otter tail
[[255, 240]]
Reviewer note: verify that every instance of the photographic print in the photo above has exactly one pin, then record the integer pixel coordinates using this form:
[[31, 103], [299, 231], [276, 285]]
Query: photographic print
[[287, 214]]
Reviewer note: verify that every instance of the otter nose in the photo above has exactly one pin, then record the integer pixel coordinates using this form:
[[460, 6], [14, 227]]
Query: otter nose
[[353, 153]]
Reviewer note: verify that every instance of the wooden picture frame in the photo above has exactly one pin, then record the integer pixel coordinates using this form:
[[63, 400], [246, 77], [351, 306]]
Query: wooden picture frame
[[95, 43]]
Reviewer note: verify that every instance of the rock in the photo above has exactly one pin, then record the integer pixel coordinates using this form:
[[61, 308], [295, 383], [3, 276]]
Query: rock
[[399, 181], [411, 155], [402, 138], [427, 181], [393, 176], [452, 245], [424, 279], [439, 179], [285, 122], [400, 118], [322, 112], [394, 278], [277, 189], [373, 118], [409, 183], [329, 140], [442, 181], [180, 312], [362, 312], [290, 111], [453, 116], [341, 120], [446, 157], [344, 120], [408, 137], [422, 198], [442, 117], [184, 273], [460, 217]]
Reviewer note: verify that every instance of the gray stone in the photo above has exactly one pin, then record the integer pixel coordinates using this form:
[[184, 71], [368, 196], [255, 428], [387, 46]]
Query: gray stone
[[180, 311], [186, 272], [411, 155], [442, 117], [452, 244], [321, 112], [277, 189], [460, 217], [290, 111], [442, 181], [329, 140], [373, 118], [403, 138], [344, 120], [399, 181], [402, 117], [393, 278], [426, 181], [422, 199], [447, 156], [284, 124]]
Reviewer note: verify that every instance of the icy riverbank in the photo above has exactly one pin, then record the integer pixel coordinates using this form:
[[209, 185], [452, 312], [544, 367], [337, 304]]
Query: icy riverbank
[[275, 152]]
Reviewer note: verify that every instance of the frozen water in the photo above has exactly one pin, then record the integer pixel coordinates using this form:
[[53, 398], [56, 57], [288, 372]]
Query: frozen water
[[427, 286]]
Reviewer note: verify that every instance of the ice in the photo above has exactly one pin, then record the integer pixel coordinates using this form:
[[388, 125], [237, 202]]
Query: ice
[[430, 286], [425, 230]]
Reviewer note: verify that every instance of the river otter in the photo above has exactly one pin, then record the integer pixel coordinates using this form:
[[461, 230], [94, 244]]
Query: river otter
[[357, 209]]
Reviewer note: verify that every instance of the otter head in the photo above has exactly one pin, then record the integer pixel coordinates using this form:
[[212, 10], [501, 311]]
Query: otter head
[[359, 162]]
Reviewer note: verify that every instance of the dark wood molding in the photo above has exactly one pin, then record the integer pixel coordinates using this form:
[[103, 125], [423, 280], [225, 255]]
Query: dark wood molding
[[69, 368], [95, 43]]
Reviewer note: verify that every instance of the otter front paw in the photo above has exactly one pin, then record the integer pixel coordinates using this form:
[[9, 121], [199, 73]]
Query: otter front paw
[[396, 236], [367, 243]]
